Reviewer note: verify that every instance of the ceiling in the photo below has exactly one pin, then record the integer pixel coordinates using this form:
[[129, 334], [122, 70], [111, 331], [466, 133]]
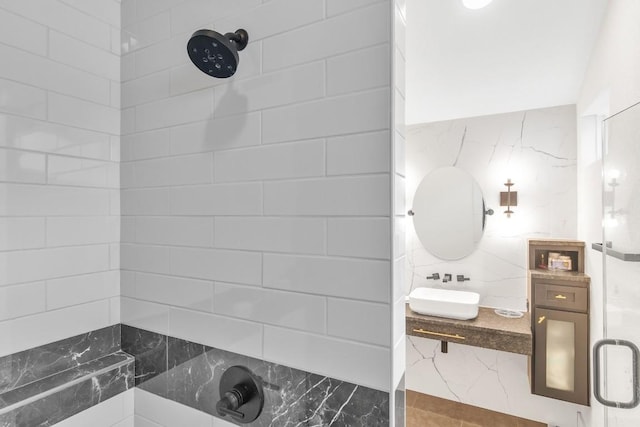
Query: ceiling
[[512, 55]]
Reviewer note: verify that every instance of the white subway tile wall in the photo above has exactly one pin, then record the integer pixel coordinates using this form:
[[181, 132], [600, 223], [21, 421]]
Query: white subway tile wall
[[59, 178], [257, 211]]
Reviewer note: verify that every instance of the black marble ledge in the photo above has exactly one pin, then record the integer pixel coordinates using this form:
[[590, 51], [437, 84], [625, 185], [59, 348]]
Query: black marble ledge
[[19, 369], [70, 400], [192, 372], [64, 379]]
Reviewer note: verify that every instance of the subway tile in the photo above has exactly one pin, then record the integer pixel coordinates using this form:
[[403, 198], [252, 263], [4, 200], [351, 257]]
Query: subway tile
[[275, 17], [22, 300], [56, 262], [77, 53], [174, 111], [147, 31], [148, 201], [288, 309], [219, 199], [114, 310], [108, 413], [217, 134], [360, 112], [145, 89], [82, 172], [127, 121], [22, 100], [359, 321], [356, 196], [399, 236], [359, 70], [22, 233], [293, 85], [292, 47], [216, 331], [359, 237], [152, 259], [217, 264], [192, 15], [359, 153], [292, 160], [145, 315], [108, 11], [23, 133], [174, 291], [160, 56], [32, 200], [146, 145], [63, 18], [399, 197], [128, 283], [399, 145], [127, 66], [82, 289], [323, 355], [184, 170], [42, 328], [349, 278], [177, 231], [293, 235], [398, 319], [114, 256], [22, 33], [145, 8], [336, 7], [87, 115], [82, 230], [168, 413], [22, 166]]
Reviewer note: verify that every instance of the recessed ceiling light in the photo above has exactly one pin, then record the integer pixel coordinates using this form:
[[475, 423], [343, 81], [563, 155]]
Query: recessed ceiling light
[[475, 4]]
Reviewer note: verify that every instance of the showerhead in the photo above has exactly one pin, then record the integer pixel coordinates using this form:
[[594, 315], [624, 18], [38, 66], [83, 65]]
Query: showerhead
[[215, 54]]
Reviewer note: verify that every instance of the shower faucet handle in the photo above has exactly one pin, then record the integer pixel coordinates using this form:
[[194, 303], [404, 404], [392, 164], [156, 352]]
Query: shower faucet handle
[[447, 278], [461, 278], [434, 276]]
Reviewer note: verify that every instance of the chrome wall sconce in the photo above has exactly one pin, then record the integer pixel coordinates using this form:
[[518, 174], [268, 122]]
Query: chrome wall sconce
[[509, 198]]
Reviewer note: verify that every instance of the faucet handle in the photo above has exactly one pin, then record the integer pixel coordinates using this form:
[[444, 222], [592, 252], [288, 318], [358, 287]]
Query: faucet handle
[[434, 276], [461, 278], [447, 278]]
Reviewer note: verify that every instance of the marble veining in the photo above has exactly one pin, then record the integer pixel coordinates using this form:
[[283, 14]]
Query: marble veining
[[31, 365], [149, 349], [292, 397], [55, 407]]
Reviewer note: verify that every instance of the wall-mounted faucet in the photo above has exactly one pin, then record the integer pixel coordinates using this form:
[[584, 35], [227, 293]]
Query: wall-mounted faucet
[[447, 278], [434, 276], [461, 278]]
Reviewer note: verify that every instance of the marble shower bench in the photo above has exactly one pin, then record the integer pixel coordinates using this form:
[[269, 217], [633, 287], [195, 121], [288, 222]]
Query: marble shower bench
[[488, 330], [47, 384]]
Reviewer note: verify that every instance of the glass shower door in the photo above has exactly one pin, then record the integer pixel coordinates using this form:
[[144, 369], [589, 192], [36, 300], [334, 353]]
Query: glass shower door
[[615, 357]]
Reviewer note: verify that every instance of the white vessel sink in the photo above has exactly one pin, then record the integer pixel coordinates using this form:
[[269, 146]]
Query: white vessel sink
[[460, 305]]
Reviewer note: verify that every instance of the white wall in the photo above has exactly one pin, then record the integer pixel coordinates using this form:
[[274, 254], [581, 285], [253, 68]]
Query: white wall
[[59, 147], [257, 210], [536, 149]]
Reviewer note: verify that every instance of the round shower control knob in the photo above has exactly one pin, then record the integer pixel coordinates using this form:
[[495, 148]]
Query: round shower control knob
[[242, 396]]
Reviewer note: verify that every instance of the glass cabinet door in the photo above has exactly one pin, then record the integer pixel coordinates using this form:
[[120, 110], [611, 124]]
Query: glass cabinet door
[[561, 355]]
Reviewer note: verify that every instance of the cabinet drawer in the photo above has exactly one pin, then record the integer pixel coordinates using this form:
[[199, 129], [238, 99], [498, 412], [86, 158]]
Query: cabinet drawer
[[561, 297]]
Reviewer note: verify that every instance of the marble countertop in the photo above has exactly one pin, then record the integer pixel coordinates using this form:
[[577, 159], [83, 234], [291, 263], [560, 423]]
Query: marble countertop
[[488, 330]]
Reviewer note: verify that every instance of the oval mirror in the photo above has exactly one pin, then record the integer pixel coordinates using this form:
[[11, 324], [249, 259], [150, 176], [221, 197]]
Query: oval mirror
[[449, 213]]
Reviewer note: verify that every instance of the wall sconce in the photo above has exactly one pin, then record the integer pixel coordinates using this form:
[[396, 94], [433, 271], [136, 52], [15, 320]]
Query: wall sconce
[[509, 198]]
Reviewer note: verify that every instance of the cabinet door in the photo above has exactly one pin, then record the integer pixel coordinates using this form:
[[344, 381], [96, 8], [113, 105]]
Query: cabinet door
[[561, 355]]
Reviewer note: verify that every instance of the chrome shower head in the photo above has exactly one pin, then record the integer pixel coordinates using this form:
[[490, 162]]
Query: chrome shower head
[[215, 54]]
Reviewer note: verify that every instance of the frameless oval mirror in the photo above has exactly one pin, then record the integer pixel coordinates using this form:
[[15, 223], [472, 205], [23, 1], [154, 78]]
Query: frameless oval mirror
[[449, 213]]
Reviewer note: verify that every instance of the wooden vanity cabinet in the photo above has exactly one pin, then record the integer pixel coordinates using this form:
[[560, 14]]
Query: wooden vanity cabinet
[[559, 309]]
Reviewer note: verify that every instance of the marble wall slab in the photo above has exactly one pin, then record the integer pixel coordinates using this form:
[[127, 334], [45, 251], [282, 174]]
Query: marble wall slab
[[190, 375], [536, 149]]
